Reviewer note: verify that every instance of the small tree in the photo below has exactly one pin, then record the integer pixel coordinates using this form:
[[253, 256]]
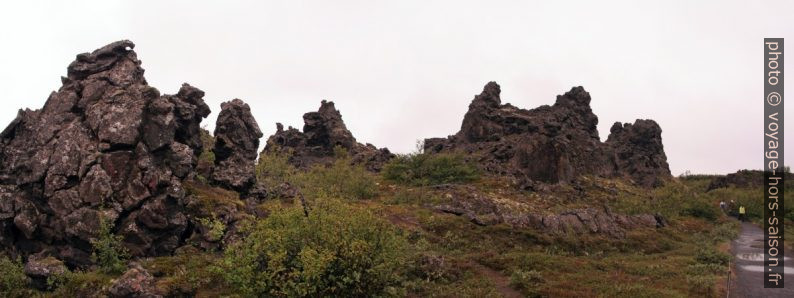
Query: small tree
[[109, 253]]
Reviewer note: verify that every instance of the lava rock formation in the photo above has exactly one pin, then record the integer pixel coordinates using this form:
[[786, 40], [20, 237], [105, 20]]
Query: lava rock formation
[[105, 146], [323, 131], [552, 144], [236, 143]]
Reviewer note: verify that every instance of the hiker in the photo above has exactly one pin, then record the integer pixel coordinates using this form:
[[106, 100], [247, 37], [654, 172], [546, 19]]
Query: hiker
[[722, 206], [741, 213]]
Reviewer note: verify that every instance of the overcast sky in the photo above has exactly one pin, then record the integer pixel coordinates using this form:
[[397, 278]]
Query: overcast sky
[[400, 71]]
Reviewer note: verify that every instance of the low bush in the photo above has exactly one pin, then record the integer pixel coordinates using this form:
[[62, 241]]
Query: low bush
[[336, 250], [215, 226], [709, 255], [701, 209], [726, 231], [273, 168], [13, 281], [80, 284], [341, 179], [422, 169]]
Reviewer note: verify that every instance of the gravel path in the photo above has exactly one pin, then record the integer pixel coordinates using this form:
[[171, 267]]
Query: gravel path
[[749, 265]]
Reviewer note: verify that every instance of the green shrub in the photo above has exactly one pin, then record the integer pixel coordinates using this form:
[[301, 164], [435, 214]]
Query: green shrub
[[109, 253], [273, 168], [701, 209], [336, 251], [13, 281], [709, 255], [725, 231], [341, 179], [216, 227], [430, 169]]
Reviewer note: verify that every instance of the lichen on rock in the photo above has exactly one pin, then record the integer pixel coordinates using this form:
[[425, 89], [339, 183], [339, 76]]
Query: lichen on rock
[[105, 145]]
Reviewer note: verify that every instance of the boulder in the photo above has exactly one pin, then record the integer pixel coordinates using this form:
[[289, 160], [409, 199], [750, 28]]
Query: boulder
[[105, 146], [553, 144], [41, 269], [135, 282], [236, 143], [323, 131]]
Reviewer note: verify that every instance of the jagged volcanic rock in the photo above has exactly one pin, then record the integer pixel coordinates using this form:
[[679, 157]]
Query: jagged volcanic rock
[[105, 145], [637, 151], [552, 144], [743, 179], [322, 132], [236, 143]]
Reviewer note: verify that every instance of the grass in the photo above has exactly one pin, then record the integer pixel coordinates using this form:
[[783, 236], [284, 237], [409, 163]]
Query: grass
[[209, 199], [647, 262], [187, 275], [83, 284]]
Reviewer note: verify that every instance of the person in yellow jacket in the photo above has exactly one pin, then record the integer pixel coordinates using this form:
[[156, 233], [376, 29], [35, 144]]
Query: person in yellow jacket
[[741, 213]]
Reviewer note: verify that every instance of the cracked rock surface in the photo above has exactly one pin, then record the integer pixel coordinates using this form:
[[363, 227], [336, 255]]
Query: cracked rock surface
[[236, 143], [553, 144], [105, 146]]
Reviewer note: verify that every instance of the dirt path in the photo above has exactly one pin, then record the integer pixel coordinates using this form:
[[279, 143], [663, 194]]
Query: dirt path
[[749, 265]]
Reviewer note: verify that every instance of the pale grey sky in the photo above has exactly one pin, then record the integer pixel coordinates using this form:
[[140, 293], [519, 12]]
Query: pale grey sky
[[406, 70]]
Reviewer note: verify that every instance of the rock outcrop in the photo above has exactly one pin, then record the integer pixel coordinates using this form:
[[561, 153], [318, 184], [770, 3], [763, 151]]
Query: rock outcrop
[[43, 270], [637, 152], [323, 131], [236, 143], [740, 179], [489, 209], [552, 144], [136, 282], [105, 146]]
